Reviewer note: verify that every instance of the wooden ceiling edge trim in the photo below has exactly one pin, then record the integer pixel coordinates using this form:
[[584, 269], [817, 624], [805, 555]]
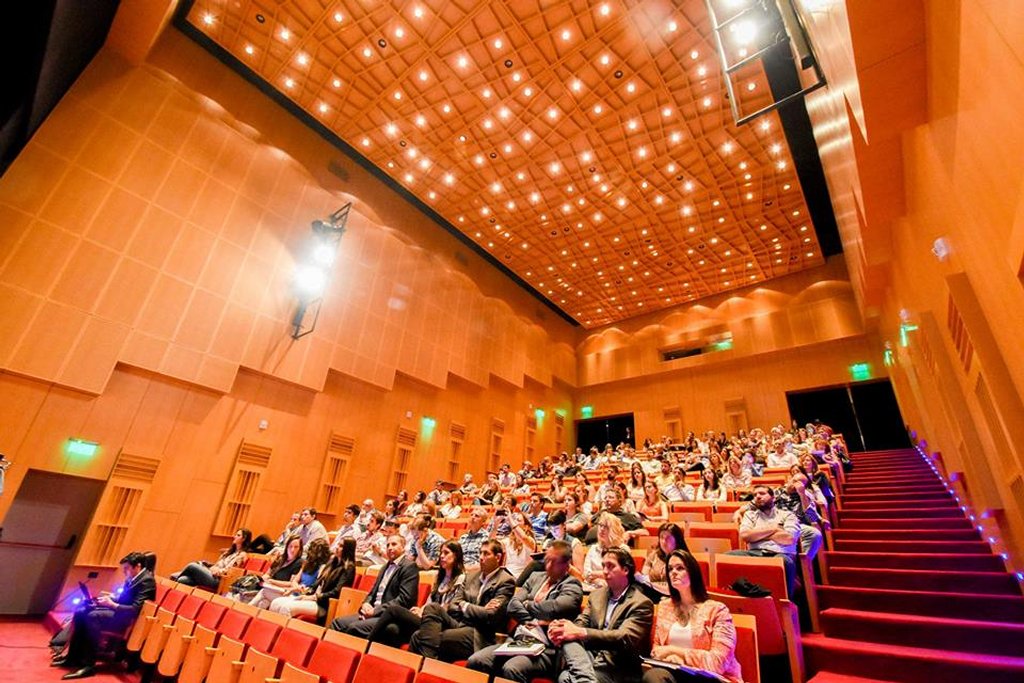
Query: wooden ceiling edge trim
[[181, 23]]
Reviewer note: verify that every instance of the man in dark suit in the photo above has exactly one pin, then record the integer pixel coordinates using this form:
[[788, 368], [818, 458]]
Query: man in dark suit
[[606, 642], [544, 598], [455, 632], [112, 612], [397, 583]]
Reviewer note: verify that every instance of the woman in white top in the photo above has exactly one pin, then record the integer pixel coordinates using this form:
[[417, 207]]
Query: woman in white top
[[635, 487], [453, 507], [610, 534], [711, 488], [736, 476], [519, 545]]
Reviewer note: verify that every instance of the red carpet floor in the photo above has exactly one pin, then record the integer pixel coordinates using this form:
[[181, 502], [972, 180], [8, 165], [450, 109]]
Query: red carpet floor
[[25, 657], [913, 594]]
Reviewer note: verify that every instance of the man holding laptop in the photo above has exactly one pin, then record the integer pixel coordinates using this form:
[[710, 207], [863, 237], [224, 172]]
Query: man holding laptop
[[106, 613]]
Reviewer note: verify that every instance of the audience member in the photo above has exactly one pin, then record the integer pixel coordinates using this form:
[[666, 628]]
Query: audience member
[[365, 513], [610, 534], [207, 575], [546, 597], [371, 544], [397, 583], [468, 622], [770, 531], [520, 544], [283, 571], [711, 488], [349, 528], [670, 539], [613, 506], [474, 537], [606, 642], [451, 508], [652, 507], [426, 544], [691, 629], [338, 573], [537, 516], [109, 612], [398, 622]]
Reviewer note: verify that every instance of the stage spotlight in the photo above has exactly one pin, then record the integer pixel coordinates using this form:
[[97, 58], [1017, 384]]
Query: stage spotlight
[[313, 273]]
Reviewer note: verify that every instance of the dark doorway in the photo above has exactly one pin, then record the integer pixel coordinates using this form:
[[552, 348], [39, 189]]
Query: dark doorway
[[611, 429], [865, 413], [41, 532]]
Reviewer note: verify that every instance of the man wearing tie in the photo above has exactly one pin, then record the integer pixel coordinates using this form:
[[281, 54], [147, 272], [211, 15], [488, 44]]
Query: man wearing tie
[[455, 632], [543, 599], [605, 643], [397, 583], [107, 613]]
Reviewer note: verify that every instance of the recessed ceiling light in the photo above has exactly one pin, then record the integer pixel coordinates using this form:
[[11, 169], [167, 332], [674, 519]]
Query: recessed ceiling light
[[285, 34], [289, 83], [249, 49], [323, 108], [498, 44], [566, 34], [605, 60], [486, 93], [366, 142], [367, 52], [672, 26], [399, 32], [528, 91], [630, 87], [598, 109], [462, 62]]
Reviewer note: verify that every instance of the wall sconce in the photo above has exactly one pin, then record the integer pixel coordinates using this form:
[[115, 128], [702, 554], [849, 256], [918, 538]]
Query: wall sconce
[[747, 31], [313, 273]]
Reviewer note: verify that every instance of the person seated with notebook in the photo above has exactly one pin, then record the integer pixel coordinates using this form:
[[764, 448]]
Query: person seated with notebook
[[606, 642], [546, 597], [106, 613], [691, 629], [455, 630], [397, 583]]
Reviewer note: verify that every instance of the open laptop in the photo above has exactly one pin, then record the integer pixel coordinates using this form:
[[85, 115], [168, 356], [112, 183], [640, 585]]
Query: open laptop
[[86, 595]]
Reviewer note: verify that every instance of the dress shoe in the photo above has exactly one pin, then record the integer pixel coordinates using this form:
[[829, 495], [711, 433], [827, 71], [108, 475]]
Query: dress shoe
[[64, 662], [84, 672]]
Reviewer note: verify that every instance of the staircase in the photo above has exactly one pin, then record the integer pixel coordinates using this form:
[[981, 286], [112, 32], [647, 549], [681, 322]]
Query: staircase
[[912, 594]]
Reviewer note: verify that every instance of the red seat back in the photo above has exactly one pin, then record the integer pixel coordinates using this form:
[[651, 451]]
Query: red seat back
[[373, 669], [233, 624], [333, 662], [173, 600], [256, 565], [423, 594], [261, 634], [190, 607], [770, 575], [365, 582], [161, 592], [210, 615], [293, 646]]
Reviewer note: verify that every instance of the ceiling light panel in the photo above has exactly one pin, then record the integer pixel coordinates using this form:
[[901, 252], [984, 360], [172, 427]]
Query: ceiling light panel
[[586, 146]]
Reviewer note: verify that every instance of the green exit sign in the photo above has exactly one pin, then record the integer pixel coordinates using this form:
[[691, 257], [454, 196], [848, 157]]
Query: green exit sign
[[860, 371], [587, 412], [81, 448]]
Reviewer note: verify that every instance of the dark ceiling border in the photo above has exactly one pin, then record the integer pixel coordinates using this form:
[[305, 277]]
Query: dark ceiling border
[[182, 24]]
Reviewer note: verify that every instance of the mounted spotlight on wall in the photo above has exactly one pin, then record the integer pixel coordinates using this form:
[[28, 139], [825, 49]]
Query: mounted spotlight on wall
[[751, 31], [314, 272]]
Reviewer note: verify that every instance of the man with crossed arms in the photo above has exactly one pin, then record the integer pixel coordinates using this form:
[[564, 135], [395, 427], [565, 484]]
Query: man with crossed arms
[[456, 631], [544, 598], [397, 583]]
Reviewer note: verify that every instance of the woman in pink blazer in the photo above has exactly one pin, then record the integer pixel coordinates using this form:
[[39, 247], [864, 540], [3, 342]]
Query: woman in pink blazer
[[690, 629]]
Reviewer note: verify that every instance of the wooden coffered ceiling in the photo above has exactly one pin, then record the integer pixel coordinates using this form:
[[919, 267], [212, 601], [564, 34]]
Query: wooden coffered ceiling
[[587, 146]]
